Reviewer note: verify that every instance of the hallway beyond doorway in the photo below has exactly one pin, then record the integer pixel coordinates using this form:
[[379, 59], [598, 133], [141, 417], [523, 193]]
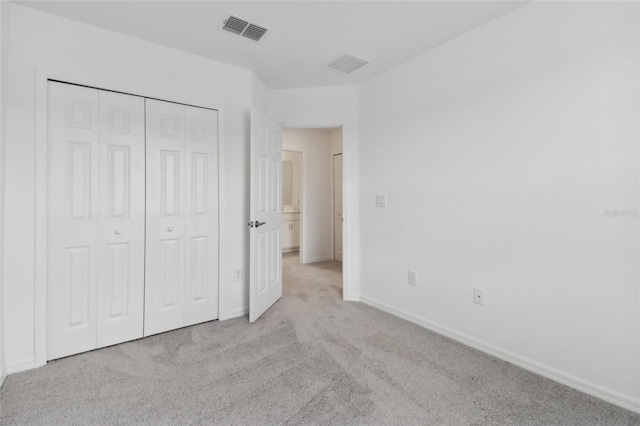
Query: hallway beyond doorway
[[298, 279]]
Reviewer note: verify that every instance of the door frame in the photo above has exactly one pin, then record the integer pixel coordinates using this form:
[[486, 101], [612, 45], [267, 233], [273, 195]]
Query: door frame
[[349, 202], [333, 202], [301, 236], [42, 78]]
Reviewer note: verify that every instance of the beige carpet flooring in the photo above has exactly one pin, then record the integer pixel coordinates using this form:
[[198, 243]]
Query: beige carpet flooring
[[312, 359]]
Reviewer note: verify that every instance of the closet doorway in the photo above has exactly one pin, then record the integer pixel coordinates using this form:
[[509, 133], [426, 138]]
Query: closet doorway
[[132, 217]]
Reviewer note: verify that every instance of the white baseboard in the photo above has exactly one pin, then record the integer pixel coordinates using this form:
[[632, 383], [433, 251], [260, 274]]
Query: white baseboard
[[593, 389], [21, 365], [234, 314], [317, 259]]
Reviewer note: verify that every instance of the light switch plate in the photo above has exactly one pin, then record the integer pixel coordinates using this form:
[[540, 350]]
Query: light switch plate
[[413, 278], [381, 200]]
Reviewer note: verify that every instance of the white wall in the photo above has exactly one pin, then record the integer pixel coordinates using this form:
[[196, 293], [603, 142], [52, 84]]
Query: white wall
[[4, 58], [500, 152], [316, 215], [331, 107], [108, 60], [259, 94]]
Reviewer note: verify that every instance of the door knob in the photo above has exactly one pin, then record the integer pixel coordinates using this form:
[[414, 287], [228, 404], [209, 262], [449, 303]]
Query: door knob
[[258, 223], [170, 229], [250, 224], [117, 232]]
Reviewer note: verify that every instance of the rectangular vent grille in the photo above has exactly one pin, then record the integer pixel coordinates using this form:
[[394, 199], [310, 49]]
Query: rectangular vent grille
[[254, 32], [235, 25], [347, 63], [243, 28]]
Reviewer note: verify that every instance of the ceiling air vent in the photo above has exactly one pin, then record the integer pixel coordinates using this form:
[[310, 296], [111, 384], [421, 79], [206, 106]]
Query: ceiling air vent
[[244, 28], [235, 25], [347, 63], [254, 32]]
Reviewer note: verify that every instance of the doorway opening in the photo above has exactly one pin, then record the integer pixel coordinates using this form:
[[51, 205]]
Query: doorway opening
[[312, 197], [291, 197]]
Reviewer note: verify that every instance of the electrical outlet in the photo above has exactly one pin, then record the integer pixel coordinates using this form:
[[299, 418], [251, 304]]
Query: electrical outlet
[[478, 296], [413, 278], [381, 200], [237, 275]]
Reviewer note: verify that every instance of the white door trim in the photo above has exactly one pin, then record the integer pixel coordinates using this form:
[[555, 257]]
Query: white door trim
[[42, 76], [333, 201]]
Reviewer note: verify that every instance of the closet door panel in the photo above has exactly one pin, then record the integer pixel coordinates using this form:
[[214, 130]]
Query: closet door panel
[[166, 210], [201, 274], [73, 219], [122, 215]]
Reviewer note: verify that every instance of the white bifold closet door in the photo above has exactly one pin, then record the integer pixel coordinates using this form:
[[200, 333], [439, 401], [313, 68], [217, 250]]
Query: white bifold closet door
[[123, 181], [182, 216], [95, 219]]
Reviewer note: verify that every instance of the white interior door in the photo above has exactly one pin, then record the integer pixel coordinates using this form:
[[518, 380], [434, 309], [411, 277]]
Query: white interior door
[[182, 222], [121, 216], [265, 276], [73, 220], [201, 273], [95, 220], [337, 207]]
